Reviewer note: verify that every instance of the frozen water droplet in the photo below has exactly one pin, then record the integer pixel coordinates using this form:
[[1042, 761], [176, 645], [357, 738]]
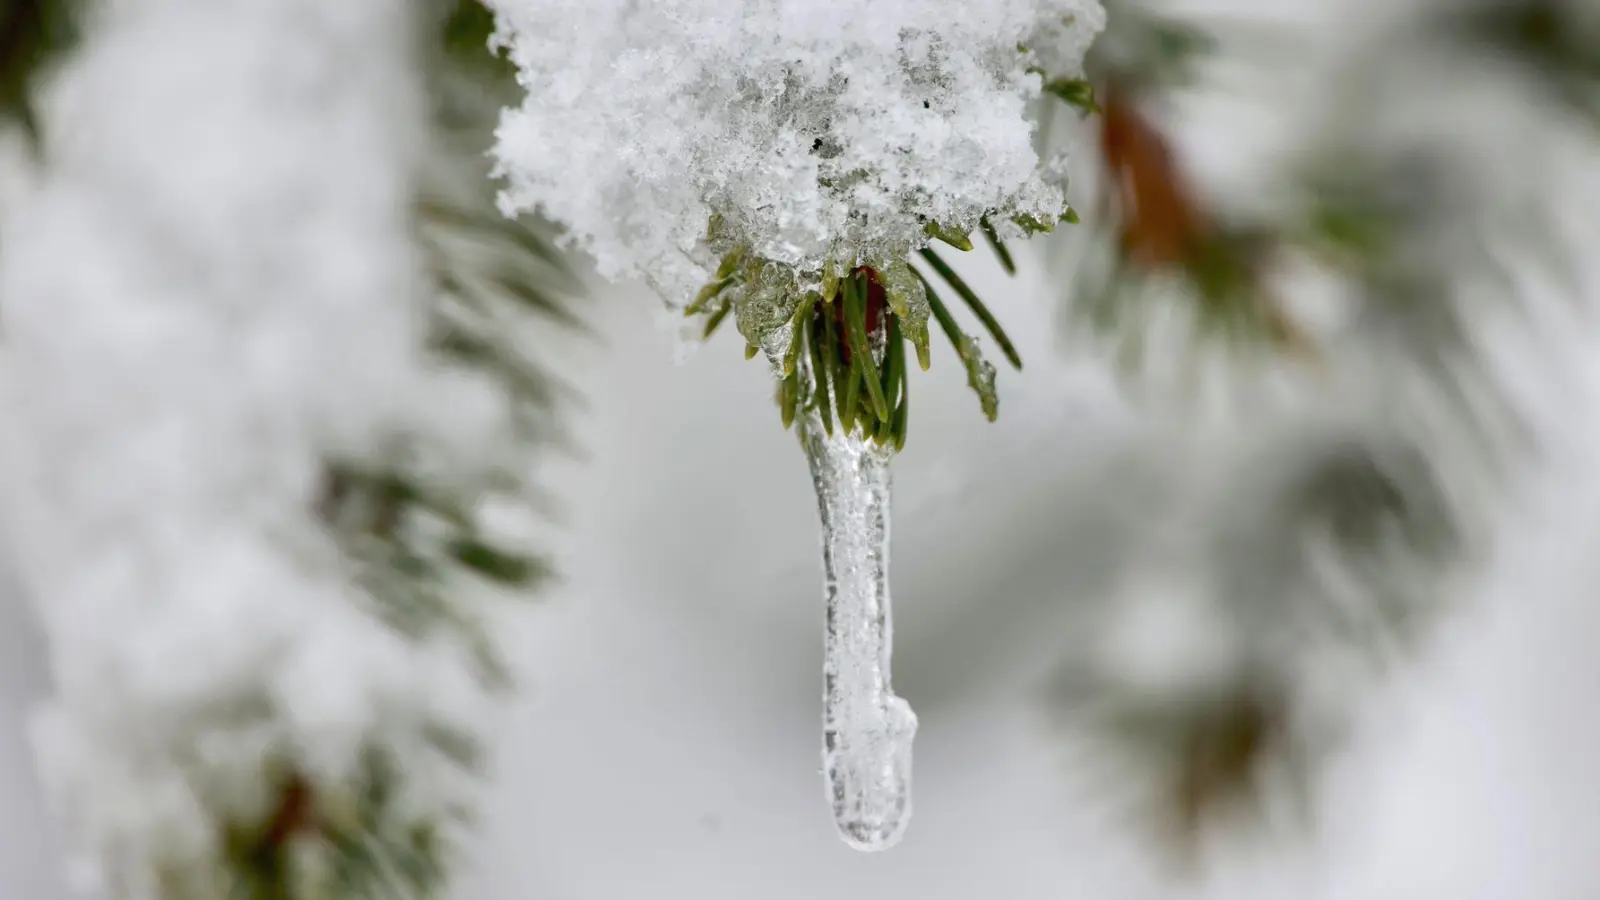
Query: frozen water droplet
[[867, 730]]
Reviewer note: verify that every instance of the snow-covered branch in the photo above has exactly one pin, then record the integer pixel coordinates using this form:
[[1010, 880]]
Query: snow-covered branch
[[254, 479]]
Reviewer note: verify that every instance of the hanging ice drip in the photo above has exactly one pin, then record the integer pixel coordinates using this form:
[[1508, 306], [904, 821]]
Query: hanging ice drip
[[867, 730]]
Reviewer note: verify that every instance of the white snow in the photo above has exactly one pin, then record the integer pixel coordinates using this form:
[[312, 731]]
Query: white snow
[[812, 128]]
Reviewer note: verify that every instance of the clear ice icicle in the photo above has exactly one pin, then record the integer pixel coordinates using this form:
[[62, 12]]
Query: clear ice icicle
[[867, 730]]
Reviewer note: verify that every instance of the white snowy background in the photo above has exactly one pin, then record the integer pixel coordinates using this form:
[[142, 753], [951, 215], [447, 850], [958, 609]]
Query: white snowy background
[[668, 743]]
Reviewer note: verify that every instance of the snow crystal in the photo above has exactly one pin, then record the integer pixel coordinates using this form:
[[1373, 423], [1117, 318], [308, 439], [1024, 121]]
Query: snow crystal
[[808, 130]]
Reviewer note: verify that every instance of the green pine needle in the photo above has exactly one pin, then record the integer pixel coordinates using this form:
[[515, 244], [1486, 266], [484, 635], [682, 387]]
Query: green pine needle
[[956, 239], [708, 293], [715, 319], [855, 291], [820, 370], [1000, 250], [500, 566], [978, 308], [980, 374], [34, 34], [1076, 91]]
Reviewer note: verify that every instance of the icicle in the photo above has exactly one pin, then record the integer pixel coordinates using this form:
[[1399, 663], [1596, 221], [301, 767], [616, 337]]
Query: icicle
[[867, 730]]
